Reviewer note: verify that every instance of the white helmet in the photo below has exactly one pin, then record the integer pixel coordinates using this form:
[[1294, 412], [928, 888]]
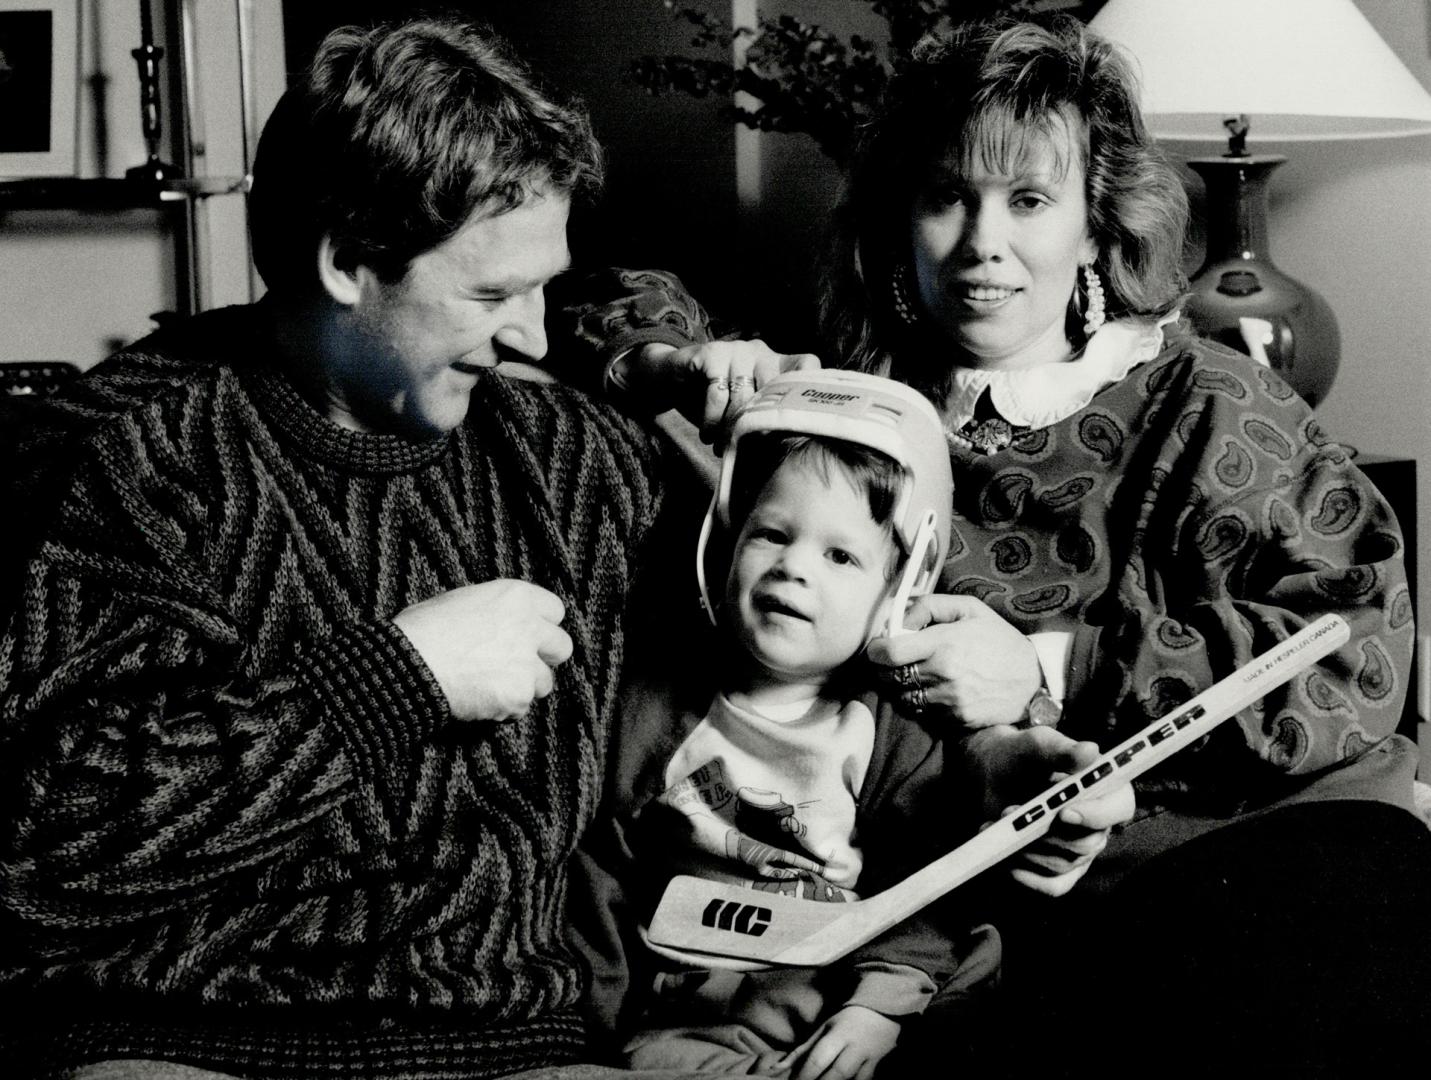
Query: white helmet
[[873, 411]]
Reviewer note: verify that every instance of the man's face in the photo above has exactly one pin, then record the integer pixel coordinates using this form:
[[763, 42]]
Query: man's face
[[472, 301]]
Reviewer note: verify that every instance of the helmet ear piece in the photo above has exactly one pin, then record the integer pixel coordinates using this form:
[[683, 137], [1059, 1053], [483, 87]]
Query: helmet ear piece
[[889, 614], [915, 578], [708, 558]]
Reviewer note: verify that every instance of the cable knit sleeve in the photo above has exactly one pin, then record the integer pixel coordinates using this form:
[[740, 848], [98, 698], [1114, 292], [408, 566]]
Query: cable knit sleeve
[[145, 762]]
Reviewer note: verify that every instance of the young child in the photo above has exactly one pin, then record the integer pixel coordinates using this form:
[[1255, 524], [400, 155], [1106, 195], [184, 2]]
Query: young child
[[766, 767]]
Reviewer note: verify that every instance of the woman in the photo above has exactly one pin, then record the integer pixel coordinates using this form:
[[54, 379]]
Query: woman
[[1138, 512], [1153, 509]]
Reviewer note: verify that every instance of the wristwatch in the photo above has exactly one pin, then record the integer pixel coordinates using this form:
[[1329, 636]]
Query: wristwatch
[[1042, 711]]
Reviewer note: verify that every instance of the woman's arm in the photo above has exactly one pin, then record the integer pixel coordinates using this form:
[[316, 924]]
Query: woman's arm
[[1256, 525], [639, 338], [599, 317], [977, 672], [959, 661], [1004, 766], [1212, 519]]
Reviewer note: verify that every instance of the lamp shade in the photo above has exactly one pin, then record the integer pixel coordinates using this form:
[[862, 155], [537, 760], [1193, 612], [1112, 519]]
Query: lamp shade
[[1300, 69]]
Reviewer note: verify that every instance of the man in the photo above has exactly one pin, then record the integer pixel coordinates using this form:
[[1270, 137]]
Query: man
[[311, 645]]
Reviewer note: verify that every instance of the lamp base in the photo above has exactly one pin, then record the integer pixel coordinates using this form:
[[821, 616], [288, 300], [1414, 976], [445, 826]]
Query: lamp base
[[1242, 300], [154, 171], [1251, 306]]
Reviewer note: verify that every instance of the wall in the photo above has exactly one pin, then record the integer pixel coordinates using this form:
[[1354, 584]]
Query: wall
[[77, 284], [670, 196], [798, 188]]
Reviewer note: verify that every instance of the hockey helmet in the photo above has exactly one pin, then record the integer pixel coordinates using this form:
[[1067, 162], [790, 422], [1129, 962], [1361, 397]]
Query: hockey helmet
[[873, 411]]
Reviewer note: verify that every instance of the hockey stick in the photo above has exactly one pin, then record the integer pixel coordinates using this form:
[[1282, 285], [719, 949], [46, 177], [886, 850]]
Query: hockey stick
[[714, 924]]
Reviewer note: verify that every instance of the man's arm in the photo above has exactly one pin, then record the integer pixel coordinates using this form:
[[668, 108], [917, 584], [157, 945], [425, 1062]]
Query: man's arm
[[144, 764]]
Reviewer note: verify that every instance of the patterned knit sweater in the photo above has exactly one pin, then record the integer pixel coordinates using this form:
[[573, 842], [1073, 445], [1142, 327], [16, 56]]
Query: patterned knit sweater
[[241, 829]]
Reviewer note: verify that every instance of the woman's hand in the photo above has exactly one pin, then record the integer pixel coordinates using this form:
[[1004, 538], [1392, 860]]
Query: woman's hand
[[1012, 766], [710, 382], [973, 667]]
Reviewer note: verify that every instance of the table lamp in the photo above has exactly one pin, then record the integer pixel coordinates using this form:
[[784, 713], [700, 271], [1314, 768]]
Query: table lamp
[[1280, 70]]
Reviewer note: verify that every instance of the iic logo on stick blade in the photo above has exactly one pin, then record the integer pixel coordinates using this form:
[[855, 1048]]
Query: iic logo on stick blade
[[739, 918]]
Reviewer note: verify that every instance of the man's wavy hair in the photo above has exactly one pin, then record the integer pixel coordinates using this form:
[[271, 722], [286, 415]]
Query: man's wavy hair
[[394, 136], [989, 92]]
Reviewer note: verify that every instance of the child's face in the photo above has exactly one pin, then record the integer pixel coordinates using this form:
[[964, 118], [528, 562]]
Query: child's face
[[808, 573]]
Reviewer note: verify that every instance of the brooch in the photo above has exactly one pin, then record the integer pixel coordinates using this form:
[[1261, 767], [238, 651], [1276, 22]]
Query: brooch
[[990, 436]]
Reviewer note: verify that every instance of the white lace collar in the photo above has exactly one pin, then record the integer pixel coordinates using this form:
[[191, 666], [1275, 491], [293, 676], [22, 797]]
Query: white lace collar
[[1039, 396]]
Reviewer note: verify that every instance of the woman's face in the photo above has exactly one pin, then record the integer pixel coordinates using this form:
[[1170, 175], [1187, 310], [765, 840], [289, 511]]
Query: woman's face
[[996, 249]]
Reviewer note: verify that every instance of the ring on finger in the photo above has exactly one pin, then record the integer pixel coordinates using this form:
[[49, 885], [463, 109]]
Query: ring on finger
[[907, 674], [722, 384], [916, 699], [741, 382]]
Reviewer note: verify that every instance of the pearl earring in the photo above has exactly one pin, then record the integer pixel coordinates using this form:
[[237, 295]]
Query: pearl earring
[[1094, 316], [899, 294]]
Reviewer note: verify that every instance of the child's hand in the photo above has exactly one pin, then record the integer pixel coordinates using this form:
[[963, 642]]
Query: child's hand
[[768, 860], [847, 1046]]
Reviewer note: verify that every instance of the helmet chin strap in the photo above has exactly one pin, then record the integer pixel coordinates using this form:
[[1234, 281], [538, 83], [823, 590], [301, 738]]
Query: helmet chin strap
[[914, 575], [706, 528]]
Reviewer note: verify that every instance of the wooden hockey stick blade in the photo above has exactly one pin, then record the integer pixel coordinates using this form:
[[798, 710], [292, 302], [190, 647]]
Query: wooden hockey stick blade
[[713, 924]]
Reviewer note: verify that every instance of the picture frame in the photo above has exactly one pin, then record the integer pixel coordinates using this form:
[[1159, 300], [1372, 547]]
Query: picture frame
[[39, 87]]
